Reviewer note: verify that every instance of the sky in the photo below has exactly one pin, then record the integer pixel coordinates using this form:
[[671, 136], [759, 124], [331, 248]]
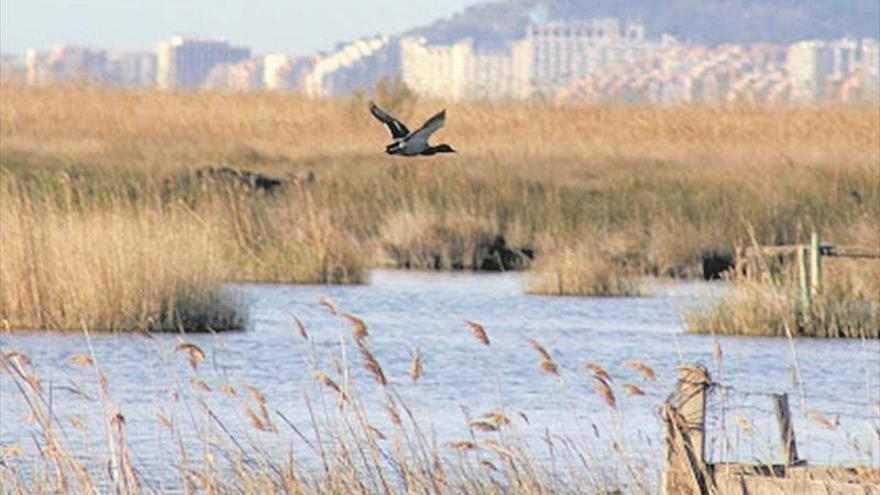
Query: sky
[[297, 26]]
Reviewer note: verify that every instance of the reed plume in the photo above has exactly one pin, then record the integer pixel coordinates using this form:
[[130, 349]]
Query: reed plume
[[483, 425], [415, 369], [300, 327], [498, 418], [194, 353], [633, 389], [478, 332], [328, 382], [462, 445], [328, 303], [371, 364], [598, 371], [546, 364], [604, 390], [646, 371], [359, 331], [82, 360]]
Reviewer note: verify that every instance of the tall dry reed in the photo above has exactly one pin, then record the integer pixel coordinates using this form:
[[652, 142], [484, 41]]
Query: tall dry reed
[[771, 304], [656, 189], [133, 266]]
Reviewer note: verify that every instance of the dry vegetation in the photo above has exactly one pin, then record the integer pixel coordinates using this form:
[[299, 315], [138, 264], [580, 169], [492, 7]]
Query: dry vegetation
[[602, 194], [769, 303]]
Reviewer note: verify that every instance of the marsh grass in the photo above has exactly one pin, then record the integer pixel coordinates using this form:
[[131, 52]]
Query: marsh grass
[[128, 261], [654, 188], [423, 241], [577, 266], [770, 304], [134, 266]]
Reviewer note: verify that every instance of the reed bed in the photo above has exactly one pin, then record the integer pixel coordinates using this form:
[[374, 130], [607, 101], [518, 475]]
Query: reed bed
[[581, 266], [122, 261], [134, 266], [655, 189], [770, 304]]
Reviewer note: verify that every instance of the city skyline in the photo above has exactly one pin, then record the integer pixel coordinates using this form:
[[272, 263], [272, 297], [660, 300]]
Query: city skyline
[[603, 59], [532, 55], [264, 25]]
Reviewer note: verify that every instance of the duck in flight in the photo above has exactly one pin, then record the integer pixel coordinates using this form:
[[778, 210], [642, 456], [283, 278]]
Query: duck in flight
[[411, 143]]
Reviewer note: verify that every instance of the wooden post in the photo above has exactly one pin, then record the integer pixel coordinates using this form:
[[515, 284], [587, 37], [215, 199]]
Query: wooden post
[[806, 300], [786, 430], [690, 400], [684, 469], [815, 265]]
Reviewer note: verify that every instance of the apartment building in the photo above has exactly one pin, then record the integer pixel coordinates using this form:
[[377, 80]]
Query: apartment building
[[66, 63], [819, 70], [130, 69], [282, 72], [186, 62], [464, 70], [565, 51], [246, 75], [353, 66]]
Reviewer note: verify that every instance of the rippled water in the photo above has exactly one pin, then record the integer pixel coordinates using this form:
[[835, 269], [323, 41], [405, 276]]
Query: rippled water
[[462, 378]]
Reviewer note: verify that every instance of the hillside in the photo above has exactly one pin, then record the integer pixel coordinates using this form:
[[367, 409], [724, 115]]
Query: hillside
[[700, 21]]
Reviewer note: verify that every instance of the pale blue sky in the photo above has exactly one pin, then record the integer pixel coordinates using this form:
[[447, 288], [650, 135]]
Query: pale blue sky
[[297, 26]]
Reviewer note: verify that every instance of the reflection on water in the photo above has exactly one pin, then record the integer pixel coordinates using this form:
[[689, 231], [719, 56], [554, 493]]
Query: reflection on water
[[462, 378]]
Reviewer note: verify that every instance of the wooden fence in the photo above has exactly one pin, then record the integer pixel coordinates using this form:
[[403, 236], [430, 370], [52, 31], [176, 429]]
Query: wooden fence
[[686, 470], [809, 264]]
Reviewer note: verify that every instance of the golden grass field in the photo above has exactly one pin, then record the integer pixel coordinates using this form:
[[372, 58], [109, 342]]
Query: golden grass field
[[105, 226]]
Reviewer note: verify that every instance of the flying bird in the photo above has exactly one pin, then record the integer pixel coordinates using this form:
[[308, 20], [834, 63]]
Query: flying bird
[[411, 143]]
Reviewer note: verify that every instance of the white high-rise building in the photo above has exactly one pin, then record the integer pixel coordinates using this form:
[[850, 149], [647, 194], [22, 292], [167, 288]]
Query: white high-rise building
[[435, 71], [566, 51], [242, 76], [186, 63], [66, 63], [282, 72], [353, 66], [844, 56], [131, 69], [463, 71], [869, 56], [809, 63], [33, 63]]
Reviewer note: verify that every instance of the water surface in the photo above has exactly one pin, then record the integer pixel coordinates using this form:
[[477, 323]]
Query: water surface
[[462, 378]]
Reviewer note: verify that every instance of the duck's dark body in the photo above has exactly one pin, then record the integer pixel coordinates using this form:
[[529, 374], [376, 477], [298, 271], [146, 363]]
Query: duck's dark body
[[412, 143]]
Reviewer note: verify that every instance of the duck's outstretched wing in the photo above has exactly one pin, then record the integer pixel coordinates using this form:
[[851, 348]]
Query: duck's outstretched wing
[[430, 127], [397, 128]]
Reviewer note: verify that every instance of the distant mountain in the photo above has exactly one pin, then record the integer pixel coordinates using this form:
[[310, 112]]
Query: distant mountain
[[699, 21]]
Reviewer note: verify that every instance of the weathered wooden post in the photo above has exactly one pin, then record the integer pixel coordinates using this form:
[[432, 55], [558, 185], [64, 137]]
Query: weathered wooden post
[[693, 382], [815, 265], [806, 299], [786, 430], [684, 469]]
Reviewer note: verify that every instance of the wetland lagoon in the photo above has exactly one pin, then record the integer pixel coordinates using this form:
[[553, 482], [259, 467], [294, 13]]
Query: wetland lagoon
[[171, 323], [565, 430]]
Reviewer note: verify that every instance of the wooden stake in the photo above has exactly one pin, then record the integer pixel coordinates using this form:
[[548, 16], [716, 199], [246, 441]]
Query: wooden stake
[[690, 400], [806, 309], [786, 429], [684, 469], [815, 265]]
